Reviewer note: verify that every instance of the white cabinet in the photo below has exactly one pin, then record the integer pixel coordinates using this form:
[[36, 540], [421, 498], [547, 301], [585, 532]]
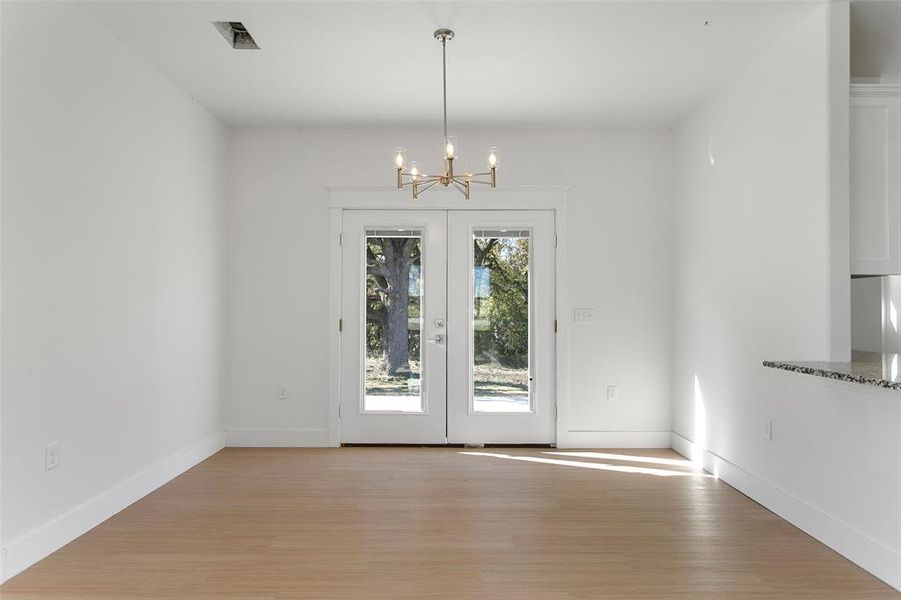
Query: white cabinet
[[875, 180]]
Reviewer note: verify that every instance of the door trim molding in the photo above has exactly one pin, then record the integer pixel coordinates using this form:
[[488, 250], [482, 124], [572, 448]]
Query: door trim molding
[[561, 314], [334, 319], [532, 197], [519, 197]]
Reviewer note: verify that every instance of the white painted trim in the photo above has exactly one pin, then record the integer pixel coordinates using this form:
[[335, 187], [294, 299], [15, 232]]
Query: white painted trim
[[872, 555], [334, 315], [526, 197], [2, 550], [682, 445], [277, 438], [617, 439], [875, 90], [529, 197], [561, 313], [31, 547]]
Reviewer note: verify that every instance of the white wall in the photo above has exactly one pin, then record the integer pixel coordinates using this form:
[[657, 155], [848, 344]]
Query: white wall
[[618, 248], [112, 277], [751, 232], [753, 228]]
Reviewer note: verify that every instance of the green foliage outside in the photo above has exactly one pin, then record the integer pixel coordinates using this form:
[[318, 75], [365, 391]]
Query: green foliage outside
[[501, 290]]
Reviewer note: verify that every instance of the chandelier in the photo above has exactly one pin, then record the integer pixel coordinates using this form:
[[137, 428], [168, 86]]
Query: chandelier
[[420, 182]]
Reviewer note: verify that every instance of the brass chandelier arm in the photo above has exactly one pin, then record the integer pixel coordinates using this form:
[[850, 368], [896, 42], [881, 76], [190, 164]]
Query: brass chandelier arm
[[462, 187], [473, 179], [422, 181], [419, 188]]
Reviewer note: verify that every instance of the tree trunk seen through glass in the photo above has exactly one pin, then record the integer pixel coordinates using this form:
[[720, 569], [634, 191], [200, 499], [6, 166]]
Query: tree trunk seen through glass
[[393, 267]]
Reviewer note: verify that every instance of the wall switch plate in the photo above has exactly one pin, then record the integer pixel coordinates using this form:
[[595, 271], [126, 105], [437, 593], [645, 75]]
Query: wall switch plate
[[768, 430], [583, 315], [283, 393], [51, 456], [611, 393]]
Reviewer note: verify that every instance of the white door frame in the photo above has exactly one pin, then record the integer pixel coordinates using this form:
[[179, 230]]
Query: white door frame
[[503, 198]]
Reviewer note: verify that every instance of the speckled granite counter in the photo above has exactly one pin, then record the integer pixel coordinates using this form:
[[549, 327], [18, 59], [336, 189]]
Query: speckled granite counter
[[867, 368]]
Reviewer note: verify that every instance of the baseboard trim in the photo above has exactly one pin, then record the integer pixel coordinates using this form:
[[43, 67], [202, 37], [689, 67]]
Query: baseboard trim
[[616, 439], [39, 543], [276, 438], [856, 546], [682, 445]]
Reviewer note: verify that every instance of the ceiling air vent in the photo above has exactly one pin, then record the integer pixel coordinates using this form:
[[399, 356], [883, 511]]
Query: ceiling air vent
[[236, 34]]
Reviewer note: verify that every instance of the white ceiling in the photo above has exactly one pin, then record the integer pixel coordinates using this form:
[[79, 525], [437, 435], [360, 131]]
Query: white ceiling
[[512, 64]]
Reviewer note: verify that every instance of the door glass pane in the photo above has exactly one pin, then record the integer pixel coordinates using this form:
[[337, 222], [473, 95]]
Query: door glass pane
[[393, 321], [500, 321]]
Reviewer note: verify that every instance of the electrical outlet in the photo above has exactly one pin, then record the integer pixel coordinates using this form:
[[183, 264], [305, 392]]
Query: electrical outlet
[[768, 430], [282, 393], [611, 393], [51, 456], [583, 315]]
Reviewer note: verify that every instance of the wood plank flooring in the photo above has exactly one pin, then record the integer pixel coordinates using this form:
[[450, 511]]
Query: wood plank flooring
[[442, 523]]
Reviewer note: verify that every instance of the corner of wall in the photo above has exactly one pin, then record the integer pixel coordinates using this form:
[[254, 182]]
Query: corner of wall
[[838, 93]]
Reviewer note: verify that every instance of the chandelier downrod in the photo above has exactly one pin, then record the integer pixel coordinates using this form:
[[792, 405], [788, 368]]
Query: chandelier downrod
[[443, 36], [444, 81]]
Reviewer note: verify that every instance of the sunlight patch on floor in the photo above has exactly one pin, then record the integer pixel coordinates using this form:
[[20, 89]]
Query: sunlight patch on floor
[[592, 465], [674, 462]]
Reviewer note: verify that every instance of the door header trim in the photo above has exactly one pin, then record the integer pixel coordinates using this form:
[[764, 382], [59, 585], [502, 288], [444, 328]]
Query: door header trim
[[503, 198]]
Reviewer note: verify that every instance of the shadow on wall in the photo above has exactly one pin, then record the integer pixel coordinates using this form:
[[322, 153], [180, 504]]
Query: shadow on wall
[[875, 323], [875, 43]]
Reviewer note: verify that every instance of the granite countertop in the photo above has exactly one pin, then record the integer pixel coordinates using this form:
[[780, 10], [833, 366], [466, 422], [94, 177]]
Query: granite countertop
[[868, 368]]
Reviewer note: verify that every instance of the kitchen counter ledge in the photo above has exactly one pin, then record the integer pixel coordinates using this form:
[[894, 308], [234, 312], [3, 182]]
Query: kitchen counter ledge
[[867, 368]]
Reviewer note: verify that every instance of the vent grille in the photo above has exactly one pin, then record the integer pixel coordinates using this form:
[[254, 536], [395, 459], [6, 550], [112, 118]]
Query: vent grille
[[394, 233], [236, 34], [501, 233]]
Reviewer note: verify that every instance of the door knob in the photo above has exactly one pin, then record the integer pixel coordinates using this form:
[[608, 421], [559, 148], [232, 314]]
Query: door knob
[[439, 338]]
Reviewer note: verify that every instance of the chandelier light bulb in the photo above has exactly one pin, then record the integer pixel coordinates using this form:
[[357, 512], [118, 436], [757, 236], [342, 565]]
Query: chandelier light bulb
[[492, 156], [399, 158], [450, 147]]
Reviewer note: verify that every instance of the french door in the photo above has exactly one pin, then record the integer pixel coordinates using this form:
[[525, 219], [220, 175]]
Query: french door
[[447, 327]]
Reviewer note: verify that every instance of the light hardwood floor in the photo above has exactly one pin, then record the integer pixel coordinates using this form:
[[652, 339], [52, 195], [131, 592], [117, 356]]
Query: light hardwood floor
[[444, 523]]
